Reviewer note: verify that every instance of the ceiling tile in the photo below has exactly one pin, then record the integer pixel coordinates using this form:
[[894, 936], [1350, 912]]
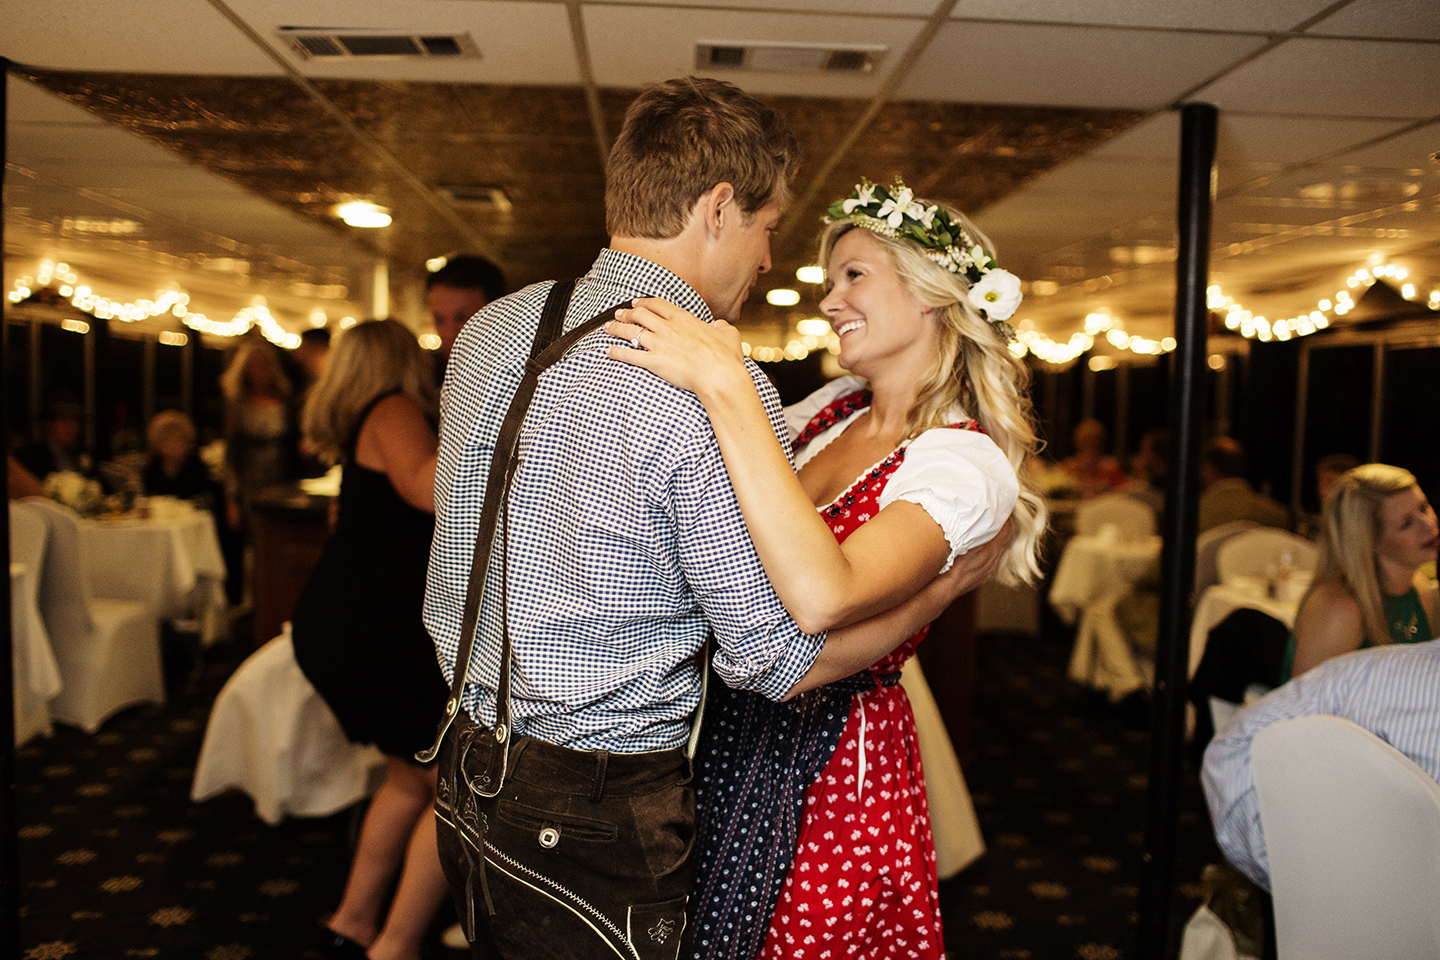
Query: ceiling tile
[[525, 43], [1055, 66], [1400, 19], [919, 8], [1416, 150], [1197, 14], [1337, 78], [1246, 139], [669, 47], [157, 35]]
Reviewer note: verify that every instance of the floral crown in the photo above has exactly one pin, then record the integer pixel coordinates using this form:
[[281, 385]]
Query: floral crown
[[896, 213]]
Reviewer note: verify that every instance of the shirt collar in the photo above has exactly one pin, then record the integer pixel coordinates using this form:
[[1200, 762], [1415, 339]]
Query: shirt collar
[[638, 277]]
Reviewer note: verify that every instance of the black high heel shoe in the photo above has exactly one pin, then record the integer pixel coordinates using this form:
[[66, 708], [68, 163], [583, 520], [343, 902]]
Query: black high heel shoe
[[337, 946]]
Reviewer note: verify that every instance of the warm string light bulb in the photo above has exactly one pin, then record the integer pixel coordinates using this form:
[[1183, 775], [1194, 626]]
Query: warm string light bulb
[[174, 302]]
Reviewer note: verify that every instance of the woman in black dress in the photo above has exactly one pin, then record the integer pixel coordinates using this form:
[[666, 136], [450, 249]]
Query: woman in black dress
[[357, 628]]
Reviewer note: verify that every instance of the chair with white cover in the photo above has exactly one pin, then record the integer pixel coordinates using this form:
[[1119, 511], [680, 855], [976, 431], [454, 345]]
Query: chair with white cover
[[1132, 519], [108, 650], [37, 676], [1352, 834], [1259, 552], [1207, 551], [272, 736]]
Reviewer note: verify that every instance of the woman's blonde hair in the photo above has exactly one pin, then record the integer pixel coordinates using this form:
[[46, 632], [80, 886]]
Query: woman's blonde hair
[[1353, 519], [235, 384], [974, 369], [368, 360], [167, 423]]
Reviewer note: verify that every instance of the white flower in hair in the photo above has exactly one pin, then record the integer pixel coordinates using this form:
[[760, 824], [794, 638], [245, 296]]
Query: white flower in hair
[[865, 195], [997, 293]]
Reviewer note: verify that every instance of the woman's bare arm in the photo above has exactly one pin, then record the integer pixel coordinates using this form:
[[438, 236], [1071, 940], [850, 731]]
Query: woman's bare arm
[[1429, 601], [853, 648], [1328, 624], [398, 440], [822, 583]]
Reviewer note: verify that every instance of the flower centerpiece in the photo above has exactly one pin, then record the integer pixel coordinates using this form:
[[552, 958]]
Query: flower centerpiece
[[77, 492]]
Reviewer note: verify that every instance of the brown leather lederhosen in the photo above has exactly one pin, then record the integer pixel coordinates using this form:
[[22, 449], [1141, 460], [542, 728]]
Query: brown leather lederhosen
[[572, 854]]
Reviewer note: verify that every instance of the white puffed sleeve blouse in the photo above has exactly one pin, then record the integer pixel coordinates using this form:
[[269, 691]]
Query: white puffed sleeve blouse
[[959, 477]]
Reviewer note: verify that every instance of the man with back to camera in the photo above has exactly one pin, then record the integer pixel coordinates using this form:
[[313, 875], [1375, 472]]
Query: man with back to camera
[[568, 831], [458, 291]]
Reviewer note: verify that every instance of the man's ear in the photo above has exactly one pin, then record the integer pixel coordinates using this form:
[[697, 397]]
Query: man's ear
[[716, 206]]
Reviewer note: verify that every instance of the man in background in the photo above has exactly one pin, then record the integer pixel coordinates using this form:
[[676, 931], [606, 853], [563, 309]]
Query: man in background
[[1388, 690], [456, 292], [1228, 495]]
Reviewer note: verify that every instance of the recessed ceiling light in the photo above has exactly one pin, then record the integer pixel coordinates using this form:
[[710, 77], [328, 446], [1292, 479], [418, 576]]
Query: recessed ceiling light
[[363, 214], [810, 274], [783, 297], [812, 327]]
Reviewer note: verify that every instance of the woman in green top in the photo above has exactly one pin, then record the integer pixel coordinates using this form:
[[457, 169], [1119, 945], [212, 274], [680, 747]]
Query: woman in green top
[[1368, 588]]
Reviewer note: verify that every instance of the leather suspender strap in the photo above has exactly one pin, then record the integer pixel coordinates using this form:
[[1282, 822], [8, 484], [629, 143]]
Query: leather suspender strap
[[544, 351]]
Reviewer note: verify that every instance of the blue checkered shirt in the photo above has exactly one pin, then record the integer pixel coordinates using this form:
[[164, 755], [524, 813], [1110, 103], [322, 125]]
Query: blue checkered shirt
[[625, 541]]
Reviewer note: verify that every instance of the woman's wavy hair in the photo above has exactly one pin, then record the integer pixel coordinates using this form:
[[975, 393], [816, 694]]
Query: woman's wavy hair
[[370, 359], [1352, 517], [975, 370], [235, 384]]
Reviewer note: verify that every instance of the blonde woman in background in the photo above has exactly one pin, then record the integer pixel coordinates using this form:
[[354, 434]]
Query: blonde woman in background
[[261, 445], [920, 456], [357, 628], [1379, 530]]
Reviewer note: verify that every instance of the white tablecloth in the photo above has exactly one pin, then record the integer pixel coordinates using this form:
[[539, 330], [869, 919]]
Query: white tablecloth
[[1093, 566], [37, 675], [171, 561], [1221, 600]]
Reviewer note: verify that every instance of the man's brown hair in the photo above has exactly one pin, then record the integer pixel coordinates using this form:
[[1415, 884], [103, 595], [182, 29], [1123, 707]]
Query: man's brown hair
[[681, 138]]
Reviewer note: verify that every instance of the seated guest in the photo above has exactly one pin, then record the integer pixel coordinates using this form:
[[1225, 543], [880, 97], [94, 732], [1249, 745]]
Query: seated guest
[[1148, 468], [1389, 691], [61, 448], [1328, 469], [1368, 589], [1089, 469], [174, 468], [1227, 495], [22, 482]]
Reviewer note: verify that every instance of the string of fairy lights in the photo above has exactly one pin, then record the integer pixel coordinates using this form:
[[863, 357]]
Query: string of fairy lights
[[812, 334], [174, 302]]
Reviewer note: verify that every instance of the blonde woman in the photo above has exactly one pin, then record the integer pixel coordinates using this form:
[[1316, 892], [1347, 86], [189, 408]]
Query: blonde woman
[[357, 629], [921, 455], [261, 446], [1379, 530]]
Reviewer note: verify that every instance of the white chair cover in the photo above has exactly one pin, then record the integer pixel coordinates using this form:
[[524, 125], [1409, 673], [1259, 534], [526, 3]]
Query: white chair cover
[[1257, 553], [1103, 658], [1352, 833], [1207, 550], [37, 675], [108, 650], [272, 736], [1132, 518]]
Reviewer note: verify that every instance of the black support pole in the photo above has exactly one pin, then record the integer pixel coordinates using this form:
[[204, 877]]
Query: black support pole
[[1177, 559], [9, 843]]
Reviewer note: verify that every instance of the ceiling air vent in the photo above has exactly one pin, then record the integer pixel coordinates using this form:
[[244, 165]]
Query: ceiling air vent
[[314, 43], [792, 57], [476, 196]]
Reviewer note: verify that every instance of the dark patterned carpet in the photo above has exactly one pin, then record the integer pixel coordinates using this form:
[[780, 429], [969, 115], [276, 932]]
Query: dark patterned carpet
[[117, 862]]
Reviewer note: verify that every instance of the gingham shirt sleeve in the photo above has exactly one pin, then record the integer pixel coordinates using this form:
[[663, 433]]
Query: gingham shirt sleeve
[[759, 647]]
